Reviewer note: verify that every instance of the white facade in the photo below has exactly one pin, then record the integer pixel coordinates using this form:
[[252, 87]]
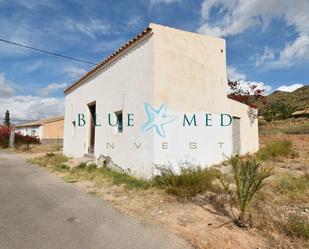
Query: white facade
[[184, 71], [34, 131]]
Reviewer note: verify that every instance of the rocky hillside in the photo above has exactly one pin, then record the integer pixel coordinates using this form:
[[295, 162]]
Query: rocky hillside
[[299, 99]]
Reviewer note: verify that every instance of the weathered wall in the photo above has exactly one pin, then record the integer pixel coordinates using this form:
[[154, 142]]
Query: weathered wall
[[190, 77], [53, 130], [183, 70], [37, 130], [189, 70], [125, 84], [249, 134]]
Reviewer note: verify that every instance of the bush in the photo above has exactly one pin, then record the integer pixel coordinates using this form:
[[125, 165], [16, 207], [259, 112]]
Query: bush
[[277, 110], [93, 173], [295, 187], [190, 182], [61, 167], [248, 180], [296, 226], [283, 148], [297, 129], [18, 140], [4, 136], [50, 160]]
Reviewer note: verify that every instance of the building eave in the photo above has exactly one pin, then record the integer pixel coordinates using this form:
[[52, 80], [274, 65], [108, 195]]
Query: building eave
[[138, 38]]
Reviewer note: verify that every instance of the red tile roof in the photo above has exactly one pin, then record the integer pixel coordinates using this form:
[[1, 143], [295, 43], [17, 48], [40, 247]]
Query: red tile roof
[[108, 59]]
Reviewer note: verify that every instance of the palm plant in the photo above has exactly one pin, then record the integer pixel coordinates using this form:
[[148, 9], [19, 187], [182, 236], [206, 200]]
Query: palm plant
[[248, 180]]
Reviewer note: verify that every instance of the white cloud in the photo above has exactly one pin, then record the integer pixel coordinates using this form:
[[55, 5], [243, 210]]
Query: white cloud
[[75, 72], [239, 15], [290, 88], [91, 27], [33, 4], [294, 52], [234, 75], [6, 87], [107, 46], [51, 88], [27, 107], [267, 55], [153, 2], [31, 107]]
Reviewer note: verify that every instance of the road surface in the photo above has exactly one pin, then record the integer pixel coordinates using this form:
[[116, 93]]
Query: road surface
[[38, 210]]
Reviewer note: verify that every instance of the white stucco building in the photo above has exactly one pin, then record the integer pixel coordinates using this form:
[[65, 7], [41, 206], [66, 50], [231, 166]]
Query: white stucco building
[[167, 89], [48, 130]]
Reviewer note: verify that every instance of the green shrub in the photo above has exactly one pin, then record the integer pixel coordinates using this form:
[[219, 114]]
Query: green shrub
[[296, 226], [277, 110], [297, 129], [188, 183], [61, 167], [50, 160], [248, 180], [275, 149], [295, 187], [124, 178], [93, 173]]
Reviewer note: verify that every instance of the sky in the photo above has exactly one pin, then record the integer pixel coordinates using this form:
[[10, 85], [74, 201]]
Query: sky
[[267, 42]]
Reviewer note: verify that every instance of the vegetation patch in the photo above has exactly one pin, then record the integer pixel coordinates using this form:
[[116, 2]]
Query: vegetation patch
[[295, 187], [296, 226], [188, 183], [93, 173], [52, 161], [274, 149], [249, 178], [297, 129]]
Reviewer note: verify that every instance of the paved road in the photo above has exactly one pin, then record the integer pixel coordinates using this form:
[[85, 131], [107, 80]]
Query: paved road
[[40, 211]]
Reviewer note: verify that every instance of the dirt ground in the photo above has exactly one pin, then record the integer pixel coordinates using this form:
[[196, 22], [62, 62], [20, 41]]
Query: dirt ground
[[206, 221]]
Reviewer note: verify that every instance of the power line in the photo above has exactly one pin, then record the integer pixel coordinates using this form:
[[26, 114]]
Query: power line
[[45, 51]]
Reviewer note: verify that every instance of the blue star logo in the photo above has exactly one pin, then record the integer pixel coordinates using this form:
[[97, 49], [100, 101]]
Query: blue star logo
[[157, 118]]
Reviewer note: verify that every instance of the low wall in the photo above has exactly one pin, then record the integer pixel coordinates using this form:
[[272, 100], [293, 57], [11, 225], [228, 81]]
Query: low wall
[[58, 141]]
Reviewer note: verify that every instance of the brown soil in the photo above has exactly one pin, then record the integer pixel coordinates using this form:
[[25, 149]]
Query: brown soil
[[206, 222]]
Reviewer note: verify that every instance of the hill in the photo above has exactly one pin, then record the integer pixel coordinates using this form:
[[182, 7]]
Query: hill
[[298, 99]]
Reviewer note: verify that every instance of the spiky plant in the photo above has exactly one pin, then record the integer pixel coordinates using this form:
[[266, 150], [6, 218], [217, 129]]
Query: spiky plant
[[248, 180]]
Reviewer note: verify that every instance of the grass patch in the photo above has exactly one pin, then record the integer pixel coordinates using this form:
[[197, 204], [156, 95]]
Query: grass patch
[[297, 129], [190, 182], [54, 161], [295, 187], [296, 226], [100, 175], [274, 149]]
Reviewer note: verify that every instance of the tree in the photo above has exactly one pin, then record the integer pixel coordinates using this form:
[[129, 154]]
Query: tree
[[7, 119], [277, 110], [248, 96]]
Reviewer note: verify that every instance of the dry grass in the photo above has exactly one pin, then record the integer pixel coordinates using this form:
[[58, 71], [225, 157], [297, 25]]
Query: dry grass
[[275, 149], [189, 182], [280, 212]]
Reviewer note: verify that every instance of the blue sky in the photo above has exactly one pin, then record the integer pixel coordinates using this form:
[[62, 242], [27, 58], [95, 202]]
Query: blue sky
[[267, 42]]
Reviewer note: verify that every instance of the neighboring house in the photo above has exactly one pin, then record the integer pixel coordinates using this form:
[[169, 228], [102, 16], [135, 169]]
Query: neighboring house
[[301, 114], [145, 89], [49, 130]]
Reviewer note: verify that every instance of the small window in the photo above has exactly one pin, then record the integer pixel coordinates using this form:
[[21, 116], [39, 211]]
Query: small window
[[119, 121]]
